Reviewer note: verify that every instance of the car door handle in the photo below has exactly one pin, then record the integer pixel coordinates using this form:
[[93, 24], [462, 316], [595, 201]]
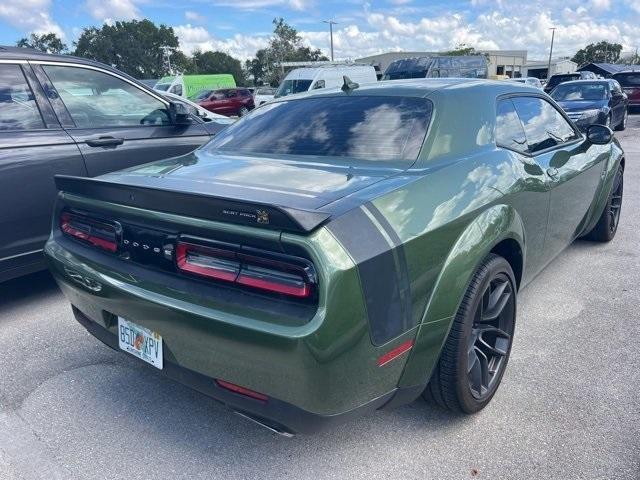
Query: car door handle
[[553, 173], [105, 141]]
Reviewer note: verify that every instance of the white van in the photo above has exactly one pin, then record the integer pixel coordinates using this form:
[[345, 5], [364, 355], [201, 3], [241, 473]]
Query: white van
[[326, 76]]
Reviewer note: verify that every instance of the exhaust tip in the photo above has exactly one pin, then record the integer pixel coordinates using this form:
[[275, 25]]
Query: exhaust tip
[[271, 428]]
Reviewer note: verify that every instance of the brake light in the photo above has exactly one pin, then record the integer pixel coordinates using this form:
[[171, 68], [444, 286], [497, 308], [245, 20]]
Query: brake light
[[99, 234], [276, 273]]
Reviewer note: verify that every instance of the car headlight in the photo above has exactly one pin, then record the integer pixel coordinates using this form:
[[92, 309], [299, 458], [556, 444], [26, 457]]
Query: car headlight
[[589, 114]]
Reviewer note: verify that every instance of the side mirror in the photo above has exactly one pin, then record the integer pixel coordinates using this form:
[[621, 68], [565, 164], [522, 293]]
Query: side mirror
[[599, 134], [179, 114]]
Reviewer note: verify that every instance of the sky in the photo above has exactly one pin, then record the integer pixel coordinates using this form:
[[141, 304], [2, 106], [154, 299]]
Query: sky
[[240, 27]]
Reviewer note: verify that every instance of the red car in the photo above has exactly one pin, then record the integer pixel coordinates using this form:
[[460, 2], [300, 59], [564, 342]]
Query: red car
[[630, 82], [226, 101]]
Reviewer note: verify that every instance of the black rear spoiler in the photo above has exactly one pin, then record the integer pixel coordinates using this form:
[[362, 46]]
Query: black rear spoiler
[[207, 207]]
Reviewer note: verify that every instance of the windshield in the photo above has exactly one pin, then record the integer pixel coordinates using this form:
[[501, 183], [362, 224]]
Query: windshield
[[202, 94], [289, 87], [407, 68], [566, 92], [628, 79], [265, 91], [162, 87], [367, 128]]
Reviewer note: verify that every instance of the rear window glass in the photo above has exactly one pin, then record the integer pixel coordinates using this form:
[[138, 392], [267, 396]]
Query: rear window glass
[[289, 87], [628, 79], [567, 92], [365, 128]]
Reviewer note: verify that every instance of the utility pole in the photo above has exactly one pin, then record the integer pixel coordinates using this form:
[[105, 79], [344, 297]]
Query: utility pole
[[331, 24], [166, 59], [553, 34]]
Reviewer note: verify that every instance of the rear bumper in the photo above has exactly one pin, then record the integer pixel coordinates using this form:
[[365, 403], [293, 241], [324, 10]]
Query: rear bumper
[[282, 417]]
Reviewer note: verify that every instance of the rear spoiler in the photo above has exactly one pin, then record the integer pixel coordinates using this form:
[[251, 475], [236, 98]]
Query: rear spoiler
[[206, 207]]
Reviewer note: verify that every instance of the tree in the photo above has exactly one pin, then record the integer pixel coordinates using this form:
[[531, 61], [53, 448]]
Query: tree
[[131, 46], [47, 42], [285, 46], [462, 49], [603, 52], [217, 62]]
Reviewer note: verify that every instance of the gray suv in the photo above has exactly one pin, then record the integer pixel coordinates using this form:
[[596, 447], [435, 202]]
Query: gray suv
[[66, 115]]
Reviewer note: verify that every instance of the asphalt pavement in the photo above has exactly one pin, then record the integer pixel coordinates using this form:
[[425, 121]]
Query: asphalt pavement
[[568, 406]]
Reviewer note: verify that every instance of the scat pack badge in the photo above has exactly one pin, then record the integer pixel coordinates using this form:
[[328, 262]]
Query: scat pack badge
[[260, 216]]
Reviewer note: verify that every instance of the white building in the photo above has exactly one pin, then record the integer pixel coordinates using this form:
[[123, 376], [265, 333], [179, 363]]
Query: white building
[[539, 68]]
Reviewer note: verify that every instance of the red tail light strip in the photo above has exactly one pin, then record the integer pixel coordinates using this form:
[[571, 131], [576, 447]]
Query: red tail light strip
[[395, 353], [87, 230], [273, 275], [242, 391]]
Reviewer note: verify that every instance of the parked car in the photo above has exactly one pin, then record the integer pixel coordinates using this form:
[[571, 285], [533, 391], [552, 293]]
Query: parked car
[[630, 82], [329, 257], [263, 95], [559, 78], [460, 66], [195, 109], [188, 86], [60, 114], [589, 102], [531, 81], [325, 76], [227, 101]]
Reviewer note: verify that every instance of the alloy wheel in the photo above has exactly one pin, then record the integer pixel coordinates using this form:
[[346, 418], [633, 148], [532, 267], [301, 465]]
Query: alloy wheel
[[491, 336], [615, 205]]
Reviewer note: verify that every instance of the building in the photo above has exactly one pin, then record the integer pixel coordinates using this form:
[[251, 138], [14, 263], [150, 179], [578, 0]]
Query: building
[[501, 62], [540, 68], [607, 69]]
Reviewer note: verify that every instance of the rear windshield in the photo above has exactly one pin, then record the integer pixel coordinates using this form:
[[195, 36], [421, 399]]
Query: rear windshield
[[289, 87], [366, 128], [628, 79], [558, 79], [408, 68]]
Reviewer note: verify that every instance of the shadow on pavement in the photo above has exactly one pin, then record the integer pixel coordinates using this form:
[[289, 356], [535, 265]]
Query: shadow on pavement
[[36, 286]]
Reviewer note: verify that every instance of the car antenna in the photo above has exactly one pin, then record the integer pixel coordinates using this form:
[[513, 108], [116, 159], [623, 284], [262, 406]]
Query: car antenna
[[348, 85]]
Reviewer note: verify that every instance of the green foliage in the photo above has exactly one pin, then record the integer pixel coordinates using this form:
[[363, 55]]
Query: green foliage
[[462, 49], [133, 47], [285, 46], [217, 62], [47, 42], [601, 52]]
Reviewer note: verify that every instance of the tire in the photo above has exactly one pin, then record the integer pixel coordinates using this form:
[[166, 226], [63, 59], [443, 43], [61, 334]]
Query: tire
[[457, 380], [607, 225], [243, 111], [623, 123]]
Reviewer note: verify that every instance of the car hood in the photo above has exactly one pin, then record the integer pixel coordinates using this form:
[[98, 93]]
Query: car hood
[[292, 182], [581, 105]]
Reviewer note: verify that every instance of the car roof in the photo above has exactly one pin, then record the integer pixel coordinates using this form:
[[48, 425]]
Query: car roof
[[424, 87], [587, 81]]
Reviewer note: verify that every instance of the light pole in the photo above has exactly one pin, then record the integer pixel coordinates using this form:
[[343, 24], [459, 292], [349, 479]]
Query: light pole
[[331, 24], [553, 34]]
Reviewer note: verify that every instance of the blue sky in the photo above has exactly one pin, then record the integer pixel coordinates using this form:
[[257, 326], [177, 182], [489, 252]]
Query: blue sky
[[240, 27]]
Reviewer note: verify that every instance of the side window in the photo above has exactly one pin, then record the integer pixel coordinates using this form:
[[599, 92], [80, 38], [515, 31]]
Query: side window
[[231, 94], [96, 99], [18, 108], [177, 89], [318, 84], [509, 131], [544, 126]]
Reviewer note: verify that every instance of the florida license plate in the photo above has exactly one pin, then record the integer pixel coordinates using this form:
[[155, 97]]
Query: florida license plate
[[140, 341]]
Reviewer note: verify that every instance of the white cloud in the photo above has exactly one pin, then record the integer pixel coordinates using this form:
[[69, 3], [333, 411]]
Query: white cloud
[[194, 17], [30, 15], [109, 10], [259, 4], [239, 46]]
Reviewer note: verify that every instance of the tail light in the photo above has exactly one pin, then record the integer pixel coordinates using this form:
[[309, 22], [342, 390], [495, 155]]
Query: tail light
[[266, 271], [99, 234]]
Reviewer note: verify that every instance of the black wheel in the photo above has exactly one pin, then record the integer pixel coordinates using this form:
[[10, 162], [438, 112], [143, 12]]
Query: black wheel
[[243, 111], [623, 123], [607, 225], [477, 350]]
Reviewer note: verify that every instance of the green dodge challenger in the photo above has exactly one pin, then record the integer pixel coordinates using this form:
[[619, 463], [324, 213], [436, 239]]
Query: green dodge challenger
[[341, 251]]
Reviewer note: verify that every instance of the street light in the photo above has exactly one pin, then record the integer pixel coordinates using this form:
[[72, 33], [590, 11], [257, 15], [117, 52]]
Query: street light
[[331, 24], [553, 34]]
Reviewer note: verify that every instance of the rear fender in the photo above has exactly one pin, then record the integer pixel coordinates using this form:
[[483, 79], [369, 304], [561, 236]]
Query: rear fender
[[498, 223]]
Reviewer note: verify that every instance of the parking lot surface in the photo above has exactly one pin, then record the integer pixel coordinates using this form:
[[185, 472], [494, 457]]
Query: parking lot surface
[[568, 407]]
